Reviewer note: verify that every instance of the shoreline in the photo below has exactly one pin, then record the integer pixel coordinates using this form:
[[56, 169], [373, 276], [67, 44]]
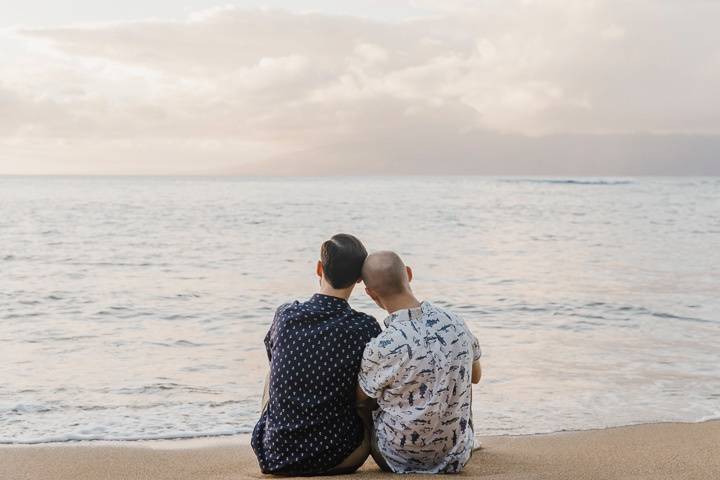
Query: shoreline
[[243, 438], [646, 451]]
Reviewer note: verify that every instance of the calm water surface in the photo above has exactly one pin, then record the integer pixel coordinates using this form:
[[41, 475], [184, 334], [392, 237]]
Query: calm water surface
[[135, 307]]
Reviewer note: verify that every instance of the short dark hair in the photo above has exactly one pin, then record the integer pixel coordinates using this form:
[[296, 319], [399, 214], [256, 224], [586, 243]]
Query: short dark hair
[[342, 259]]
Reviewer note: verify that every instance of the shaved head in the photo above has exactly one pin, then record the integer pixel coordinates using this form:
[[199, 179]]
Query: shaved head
[[385, 273]]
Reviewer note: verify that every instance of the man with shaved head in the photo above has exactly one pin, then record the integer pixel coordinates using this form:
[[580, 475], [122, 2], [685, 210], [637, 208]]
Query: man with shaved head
[[420, 370], [385, 275]]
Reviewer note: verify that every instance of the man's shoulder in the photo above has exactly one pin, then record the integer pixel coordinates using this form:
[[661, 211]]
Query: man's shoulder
[[287, 307], [362, 316], [365, 321], [392, 335], [287, 312], [442, 312], [442, 318]]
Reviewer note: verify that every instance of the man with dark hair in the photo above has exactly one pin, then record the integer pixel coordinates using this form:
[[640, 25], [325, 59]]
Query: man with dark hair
[[310, 423], [341, 260]]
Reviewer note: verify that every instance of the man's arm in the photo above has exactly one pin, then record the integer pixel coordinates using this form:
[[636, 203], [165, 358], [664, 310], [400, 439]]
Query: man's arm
[[476, 371], [364, 401], [269, 340], [360, 394]]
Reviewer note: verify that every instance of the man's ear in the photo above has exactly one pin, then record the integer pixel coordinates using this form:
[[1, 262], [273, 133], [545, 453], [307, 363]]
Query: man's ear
[[319, 269], [409, 273]]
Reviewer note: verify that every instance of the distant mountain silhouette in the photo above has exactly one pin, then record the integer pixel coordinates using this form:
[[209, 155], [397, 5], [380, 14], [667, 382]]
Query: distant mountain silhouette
[[499, 154]]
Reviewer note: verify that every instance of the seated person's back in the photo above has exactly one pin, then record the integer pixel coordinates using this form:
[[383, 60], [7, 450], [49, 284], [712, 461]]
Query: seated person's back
[[420, 371], [310, 424]]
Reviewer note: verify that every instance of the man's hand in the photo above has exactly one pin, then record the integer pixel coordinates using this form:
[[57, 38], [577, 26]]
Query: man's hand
[[476, 371]]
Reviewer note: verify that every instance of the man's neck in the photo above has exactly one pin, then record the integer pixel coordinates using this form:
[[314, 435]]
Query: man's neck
[[344, 293], [401, 302]]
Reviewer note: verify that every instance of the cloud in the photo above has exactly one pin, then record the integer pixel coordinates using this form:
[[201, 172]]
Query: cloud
[[251, 90]]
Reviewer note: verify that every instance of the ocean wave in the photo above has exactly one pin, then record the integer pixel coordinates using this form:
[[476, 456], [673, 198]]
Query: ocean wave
[[569, 181], [609, 313], [31, 408], [709, 418], [162, 387], [28, 408], [97, 436]]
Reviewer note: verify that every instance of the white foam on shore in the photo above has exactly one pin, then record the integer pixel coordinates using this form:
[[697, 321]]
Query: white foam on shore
[[79, 437], [709, 418], [242, 436]]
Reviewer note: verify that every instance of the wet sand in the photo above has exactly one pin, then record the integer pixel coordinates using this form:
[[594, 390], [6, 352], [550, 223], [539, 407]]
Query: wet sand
[[657, 451]]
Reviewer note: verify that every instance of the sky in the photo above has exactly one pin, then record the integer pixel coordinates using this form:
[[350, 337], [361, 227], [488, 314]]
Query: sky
[[495, 87]]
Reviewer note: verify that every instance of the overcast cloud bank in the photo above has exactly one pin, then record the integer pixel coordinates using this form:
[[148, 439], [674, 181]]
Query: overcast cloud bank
[[562, 87]]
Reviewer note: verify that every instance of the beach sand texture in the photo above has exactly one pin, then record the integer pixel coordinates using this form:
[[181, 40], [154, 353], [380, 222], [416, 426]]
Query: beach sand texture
[[657, 451]]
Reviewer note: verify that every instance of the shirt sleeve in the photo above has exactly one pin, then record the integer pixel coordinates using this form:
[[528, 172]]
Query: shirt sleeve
[[474, 343], [382, 363], [374, 329], [476, 350], [272, 332], [371, 380]]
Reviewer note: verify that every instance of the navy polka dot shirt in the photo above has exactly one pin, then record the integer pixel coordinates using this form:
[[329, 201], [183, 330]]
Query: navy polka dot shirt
[[310, 423]]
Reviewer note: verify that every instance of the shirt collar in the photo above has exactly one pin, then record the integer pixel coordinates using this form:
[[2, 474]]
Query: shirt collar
[[408, 313], [328, 299]]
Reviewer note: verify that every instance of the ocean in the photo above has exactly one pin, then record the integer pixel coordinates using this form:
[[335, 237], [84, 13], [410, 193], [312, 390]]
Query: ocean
[[135, 307]]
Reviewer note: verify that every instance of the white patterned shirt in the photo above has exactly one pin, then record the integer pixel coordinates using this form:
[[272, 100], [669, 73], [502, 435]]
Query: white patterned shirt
[[419, 369]]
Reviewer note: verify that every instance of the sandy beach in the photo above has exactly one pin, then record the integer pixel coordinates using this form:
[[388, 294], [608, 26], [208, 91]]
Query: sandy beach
[[656, 451]]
